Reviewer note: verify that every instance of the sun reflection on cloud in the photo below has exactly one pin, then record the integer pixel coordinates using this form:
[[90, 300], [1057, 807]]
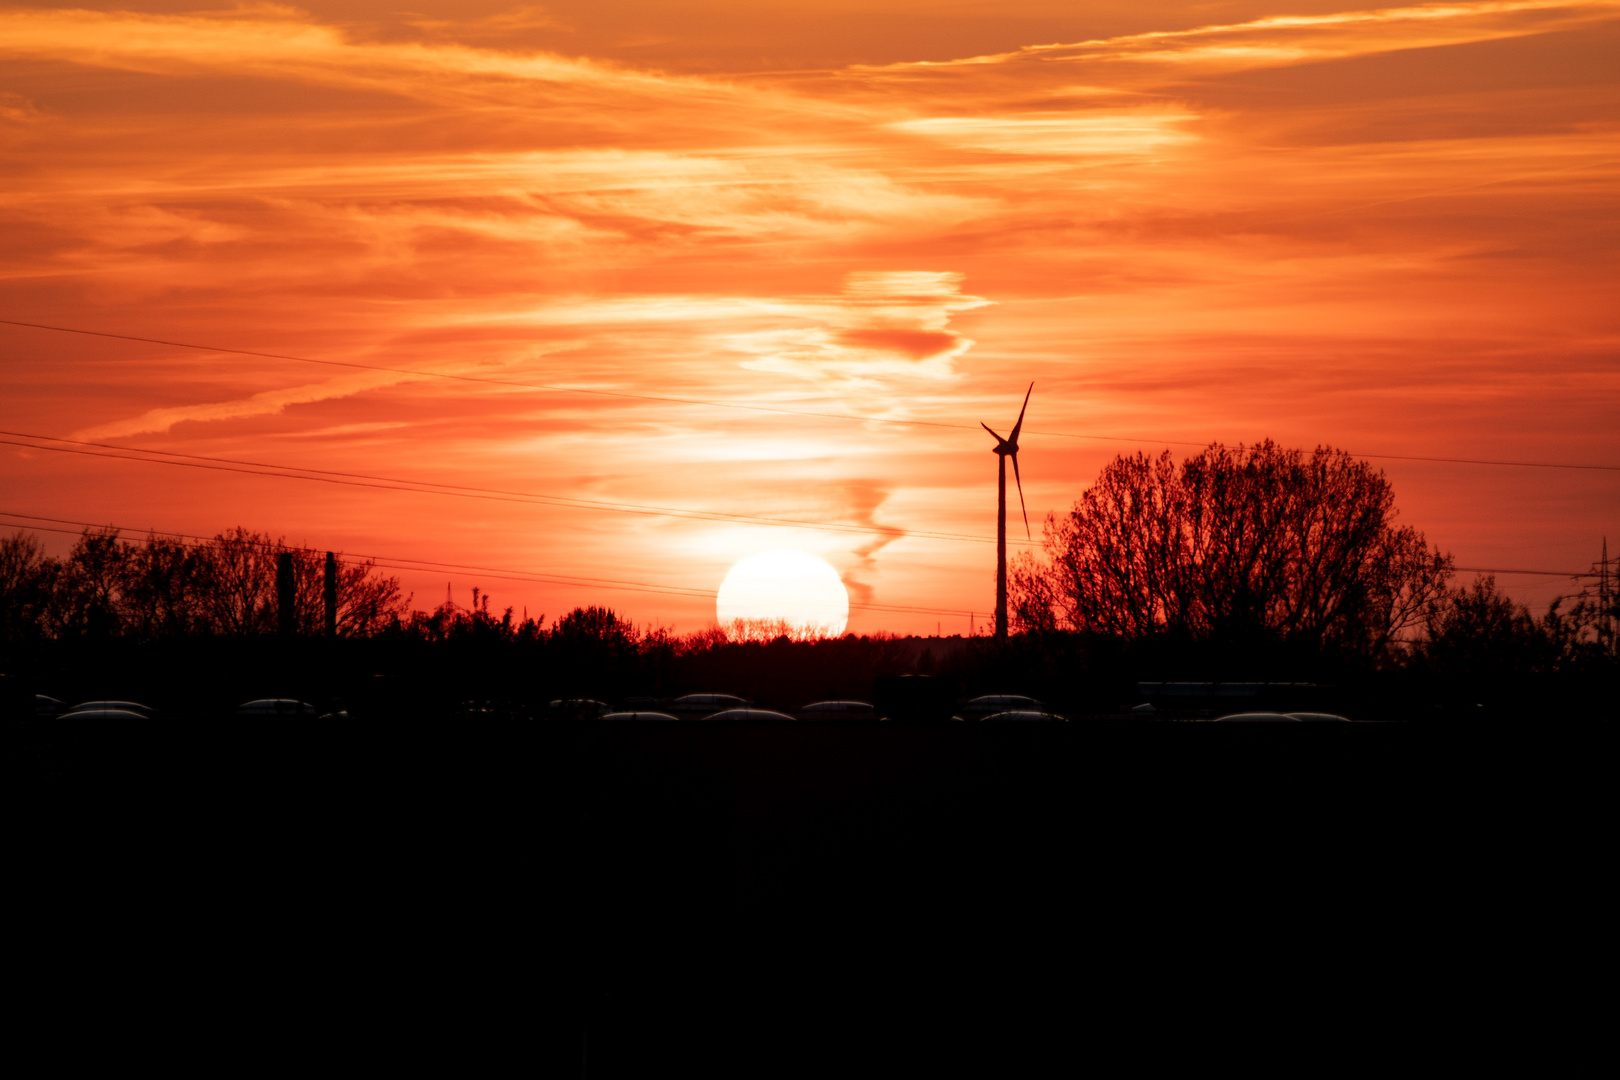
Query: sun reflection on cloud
[[1140, 132], [885, 326], [1379, 228]]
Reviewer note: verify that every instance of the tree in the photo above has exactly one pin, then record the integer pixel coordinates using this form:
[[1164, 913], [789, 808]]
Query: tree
[[238, 586], [1478, 631], [25, 586], [163, 587], [596, 626], [1237, 545]]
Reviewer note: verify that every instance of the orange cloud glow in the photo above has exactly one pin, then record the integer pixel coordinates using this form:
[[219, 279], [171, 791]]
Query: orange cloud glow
[[594, 263]]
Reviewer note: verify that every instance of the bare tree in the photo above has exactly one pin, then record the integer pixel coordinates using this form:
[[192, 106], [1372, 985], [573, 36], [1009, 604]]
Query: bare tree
[[86, 590], [162, 593], [165, 587], [25, 577], [1234, 544], [238, 569]]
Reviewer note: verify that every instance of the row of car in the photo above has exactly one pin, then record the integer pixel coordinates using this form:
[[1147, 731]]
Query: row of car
[[997, 707], [51, 708], [724, 707], [728, 707]]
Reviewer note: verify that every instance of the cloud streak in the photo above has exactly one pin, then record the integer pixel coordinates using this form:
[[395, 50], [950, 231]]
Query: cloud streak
[[1387, 229]]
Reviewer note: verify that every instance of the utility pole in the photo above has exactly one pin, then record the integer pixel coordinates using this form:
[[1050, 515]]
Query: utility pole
[[286, 617], [329, 594]]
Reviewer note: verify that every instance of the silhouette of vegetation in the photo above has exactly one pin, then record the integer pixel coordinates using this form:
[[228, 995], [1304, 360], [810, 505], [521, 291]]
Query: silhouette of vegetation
[[163, 588], [1249, 565], [738, 630], [1244, 545]]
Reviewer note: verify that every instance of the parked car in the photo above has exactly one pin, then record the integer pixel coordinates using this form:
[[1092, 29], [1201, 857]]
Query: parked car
[[78, 715], [1257, 717], [1320, 716], [120, 706], [637, 716], [990, 704], [698, 706], [1024, 714], [276, 707], [748, 715], [838, 710]]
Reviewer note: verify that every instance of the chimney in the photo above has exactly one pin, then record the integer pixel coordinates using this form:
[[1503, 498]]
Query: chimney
[[329, 594], [286, 617]]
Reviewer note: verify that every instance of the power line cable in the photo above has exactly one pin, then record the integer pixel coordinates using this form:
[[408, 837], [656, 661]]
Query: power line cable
[[422, 487], [394, 562], [577, 580], [419, 373], [428, 487]]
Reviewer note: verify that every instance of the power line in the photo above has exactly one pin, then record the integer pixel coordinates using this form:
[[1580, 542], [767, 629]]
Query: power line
[[393, 562], [428, 487], [419, 373], [1496, 570], [576, 580]]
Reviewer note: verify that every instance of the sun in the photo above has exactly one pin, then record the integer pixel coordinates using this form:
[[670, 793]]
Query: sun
[[785, 587]]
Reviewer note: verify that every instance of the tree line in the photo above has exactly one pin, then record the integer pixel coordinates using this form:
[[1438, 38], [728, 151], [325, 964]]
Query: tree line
[[1267, 547], [1244, 551], [163, 587], [160, 587]]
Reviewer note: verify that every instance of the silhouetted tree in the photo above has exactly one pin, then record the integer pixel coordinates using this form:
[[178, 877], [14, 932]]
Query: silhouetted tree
[[1235, 545], [163, 590], [25, 580], [236, 571], [448, 622], [595, 625], [162, 587], [1478, 629], [87, 589]]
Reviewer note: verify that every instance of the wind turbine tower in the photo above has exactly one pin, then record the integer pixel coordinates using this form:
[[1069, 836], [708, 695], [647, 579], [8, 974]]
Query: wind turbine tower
[[1006, 448]]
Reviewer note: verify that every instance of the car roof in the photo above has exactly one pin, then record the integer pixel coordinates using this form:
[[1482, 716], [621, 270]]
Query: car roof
[[1024, 714], [749, 714]]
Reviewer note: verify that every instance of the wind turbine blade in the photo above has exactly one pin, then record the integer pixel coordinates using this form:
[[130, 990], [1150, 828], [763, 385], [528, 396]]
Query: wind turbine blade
[[1019, 426], [987, 427], [1020, 482]]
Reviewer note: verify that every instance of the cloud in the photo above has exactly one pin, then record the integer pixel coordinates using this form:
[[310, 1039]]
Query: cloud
[[1282, 39], [18, 109], [271, 402], [1096, 133], [496, 25], [863, 499], [1178, 243], [885, 326], [264, 403]]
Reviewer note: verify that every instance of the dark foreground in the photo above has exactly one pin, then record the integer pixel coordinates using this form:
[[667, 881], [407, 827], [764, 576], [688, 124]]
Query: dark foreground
[[762, 900]]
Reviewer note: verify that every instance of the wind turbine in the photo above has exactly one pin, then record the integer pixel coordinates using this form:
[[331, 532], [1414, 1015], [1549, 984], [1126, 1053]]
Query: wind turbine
[[1006, 448]]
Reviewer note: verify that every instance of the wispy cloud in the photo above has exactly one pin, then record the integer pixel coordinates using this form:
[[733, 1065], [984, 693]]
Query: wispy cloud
[[886, 327], [1383, 228]]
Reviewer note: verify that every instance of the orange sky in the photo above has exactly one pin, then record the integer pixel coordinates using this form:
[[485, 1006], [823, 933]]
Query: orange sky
[[1390, 230]]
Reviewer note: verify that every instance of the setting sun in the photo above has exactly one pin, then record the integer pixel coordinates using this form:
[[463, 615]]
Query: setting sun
[[784, 590]]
